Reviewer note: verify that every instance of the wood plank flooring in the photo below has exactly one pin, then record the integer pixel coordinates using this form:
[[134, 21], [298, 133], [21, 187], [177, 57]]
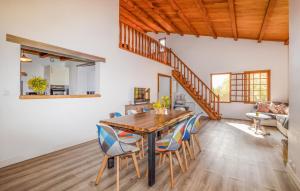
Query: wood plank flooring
[[232, 159]]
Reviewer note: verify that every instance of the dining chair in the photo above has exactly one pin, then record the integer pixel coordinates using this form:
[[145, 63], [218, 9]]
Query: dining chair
[[130, 138], [170, 144], [195, 133], [112, 147], [186, 138], [146, 109]]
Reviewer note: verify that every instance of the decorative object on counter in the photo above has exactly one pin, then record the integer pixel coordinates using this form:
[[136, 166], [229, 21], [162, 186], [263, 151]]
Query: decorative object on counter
[[157, 107], [162, 105], [141, 95], [165, 100], [180, 102], [180, 99], [257, 113], [38, 85], [90, 92]]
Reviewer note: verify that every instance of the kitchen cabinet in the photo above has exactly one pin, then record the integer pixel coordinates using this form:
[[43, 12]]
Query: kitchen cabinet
[[57, 74]]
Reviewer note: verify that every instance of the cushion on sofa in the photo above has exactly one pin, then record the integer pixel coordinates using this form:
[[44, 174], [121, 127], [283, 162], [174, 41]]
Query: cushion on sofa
[[263, 107], [278, 109]]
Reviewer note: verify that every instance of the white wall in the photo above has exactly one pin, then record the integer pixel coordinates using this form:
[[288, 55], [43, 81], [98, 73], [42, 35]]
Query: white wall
[[294, 91], [206, 55], [29, 128]]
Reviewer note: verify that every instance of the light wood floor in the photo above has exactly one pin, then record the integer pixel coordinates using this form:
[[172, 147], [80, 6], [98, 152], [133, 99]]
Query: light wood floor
[[231, 160]]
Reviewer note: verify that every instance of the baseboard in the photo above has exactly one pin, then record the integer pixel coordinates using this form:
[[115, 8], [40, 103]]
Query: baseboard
[[293, 176]]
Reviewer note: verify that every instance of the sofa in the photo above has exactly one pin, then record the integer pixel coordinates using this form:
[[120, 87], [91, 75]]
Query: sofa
[[279, 113]]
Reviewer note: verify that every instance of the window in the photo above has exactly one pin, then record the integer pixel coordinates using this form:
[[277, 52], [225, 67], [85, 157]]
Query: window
[[247, 87], [257, 86], [237, 87], [62, 76], [220, 84], [163, 44]]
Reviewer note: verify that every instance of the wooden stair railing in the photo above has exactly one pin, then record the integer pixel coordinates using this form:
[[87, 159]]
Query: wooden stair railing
[[198, 90], [139, 43]]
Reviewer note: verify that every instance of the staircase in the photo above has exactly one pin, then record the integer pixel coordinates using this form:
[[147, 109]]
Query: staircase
[[133, 40]]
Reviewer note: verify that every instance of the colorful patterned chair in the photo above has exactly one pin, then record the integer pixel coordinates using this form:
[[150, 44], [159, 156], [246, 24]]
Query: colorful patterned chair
[[113, 147], [195, 133], [171, 144], [130, 138], [186, 137], [146, 109]]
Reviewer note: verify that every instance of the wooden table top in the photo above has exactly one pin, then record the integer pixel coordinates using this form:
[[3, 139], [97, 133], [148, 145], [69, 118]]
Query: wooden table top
[[147, 122]]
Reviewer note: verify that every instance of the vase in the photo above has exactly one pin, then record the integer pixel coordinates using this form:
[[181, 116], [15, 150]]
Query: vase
[[160, 111]]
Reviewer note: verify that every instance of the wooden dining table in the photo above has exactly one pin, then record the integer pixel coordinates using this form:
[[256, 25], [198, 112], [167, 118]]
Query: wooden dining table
[[149, 124]]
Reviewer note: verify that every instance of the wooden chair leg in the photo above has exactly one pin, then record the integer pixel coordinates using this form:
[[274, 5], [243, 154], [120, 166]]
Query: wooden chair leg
[[189, 150], [193, 144], [136, 165], [101, 170], [160, 159], [179, 161], [121, 163], [143, 151], [164, 158], [171, 169], [198, 142], [146, 172], [118, 173], [138, 146], [184, 155]]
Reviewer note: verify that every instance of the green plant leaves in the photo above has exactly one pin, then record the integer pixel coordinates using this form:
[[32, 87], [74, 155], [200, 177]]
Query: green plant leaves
[[38, 84]]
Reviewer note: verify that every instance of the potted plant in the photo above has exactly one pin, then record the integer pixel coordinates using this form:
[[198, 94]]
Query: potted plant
[[157, 107], [38, 85], [161, 106]]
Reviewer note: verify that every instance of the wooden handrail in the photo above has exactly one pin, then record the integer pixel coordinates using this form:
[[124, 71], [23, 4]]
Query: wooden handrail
[[139, 43], [207, 94]]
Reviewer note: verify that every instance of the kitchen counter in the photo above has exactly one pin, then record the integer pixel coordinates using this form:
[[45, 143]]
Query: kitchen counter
[[58, 96]]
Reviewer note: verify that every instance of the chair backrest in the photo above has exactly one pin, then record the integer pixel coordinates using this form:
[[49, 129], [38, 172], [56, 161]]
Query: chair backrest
[[176, 139], [117, 114], [108, 140], [146, 109], [197, 122], [120, 133], [132, 112], [188, 127]]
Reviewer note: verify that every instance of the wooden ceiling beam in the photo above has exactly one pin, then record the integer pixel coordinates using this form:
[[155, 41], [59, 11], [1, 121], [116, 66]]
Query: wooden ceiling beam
[[200, 5], [43, 55], [131, 23], [232, 14], [134, 19], [163, 16], [211, 2], [180, 14], [139, 11], [268, 13]]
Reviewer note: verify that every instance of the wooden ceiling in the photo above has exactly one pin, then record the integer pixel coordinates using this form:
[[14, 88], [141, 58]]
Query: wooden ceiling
[[246, 19]]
